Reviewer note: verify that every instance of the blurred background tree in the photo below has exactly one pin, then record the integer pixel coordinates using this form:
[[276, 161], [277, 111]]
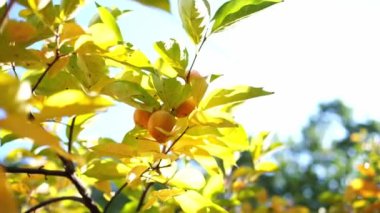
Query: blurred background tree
[[315, 170]]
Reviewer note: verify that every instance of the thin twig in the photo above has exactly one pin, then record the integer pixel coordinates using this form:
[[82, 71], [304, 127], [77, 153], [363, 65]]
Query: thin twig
[[40, 171], [196, 56], [72, 125], [176, 140], [50, 65], [53, 200], [143, 195], [13, 66], [87, 201], [7, 10], [115, 195]]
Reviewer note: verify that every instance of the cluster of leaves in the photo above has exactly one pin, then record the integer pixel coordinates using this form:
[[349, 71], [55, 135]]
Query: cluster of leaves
[[337, 174], [55, 74]]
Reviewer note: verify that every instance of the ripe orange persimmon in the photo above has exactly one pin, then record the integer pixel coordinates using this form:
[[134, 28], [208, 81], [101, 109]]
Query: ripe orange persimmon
[[141, 117], [160, 124], [194, 75], [185, 108]]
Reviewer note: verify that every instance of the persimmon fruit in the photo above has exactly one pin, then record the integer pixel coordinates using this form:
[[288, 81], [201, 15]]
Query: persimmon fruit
[[185, 108], [160, 124], [141, 118], [194, 75]]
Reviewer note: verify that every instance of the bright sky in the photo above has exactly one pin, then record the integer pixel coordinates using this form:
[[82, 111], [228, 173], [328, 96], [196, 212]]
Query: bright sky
[[306, 51]]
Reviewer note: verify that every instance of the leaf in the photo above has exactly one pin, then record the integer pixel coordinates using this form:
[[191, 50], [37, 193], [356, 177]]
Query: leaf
[[22, 127], [7, 201], [235, 94], [212, 119], [215, 184], [160, 4], [116, 12], [266, 167], [188, 178], [58, 65], [129, 57], [68, 7], [71, 30], [191, 201], [106, 170], [110, 21], [235, 138], [171, 53], [192, 20], [103, 36], [171, 91], [19, 32], [235, 10], [79, 124], [16, 53], [117, 150], [71, 102], [132, 94], [166, 194]]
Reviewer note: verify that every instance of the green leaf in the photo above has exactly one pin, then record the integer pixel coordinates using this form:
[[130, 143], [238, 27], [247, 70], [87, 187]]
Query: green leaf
[[71, 102], [235, 94], [132, 94], [188, 178], [6, 136], [235, 10], [171, 91], [192, 20], [160, 4], [127, 56], [191, 201], [171, 53], [215, 184], [68, 7], [106, 170], [116, 12], [108, 19]]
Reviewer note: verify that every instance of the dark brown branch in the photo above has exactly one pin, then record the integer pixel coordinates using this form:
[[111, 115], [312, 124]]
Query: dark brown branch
[[143, 195], [50, 65], [7, 10], [13, 66], [87, 201], [54, 200], [40, 171]]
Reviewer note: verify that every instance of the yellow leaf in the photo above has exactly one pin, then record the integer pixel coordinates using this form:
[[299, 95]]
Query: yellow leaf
[[71, 30], [166, 194], [103, 36], [21, 127], [136, 173], [266, 167], [7, 201], [58, 66], [192, 202], [71, 102], [20, 32], [188, 178], [117, 150]]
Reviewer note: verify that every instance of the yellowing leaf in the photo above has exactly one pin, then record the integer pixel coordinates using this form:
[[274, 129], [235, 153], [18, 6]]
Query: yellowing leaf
[[20, 32], [166, 194], [160, 4], [68, 8], [172, 54], [188, 178], [192, 202], [212, 118], [7, 201], [235, 94], [103, 36], [106, 170], [21, 127], [117, 150], [266, 167], [71, 30], [71, 102], [110, 21], [58, 66], [192, 18], [235, 138], [215, 184]]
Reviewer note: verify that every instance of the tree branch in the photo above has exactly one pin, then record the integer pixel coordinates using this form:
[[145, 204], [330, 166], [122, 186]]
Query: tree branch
[[7, 10], [87, 201], [115, 195], [53, 200], [39, 171], [196, 56], [143, 195]]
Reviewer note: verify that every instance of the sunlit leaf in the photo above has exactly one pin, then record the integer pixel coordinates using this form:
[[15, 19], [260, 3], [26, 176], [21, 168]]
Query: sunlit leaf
[[106, 170], [129, 57], [171, 53], [15, 53], [110, 21], [116, 12], [188, 178], [7, 201], [22, 127], [116, 150], [103, 36], [236, 138], [212, 119], [71, 102], [235, 94], [192, 18], [191, 201], [235, 10], [71, 30], [171, 91], [19, 32], [132, 94], [59, 65], [68, 7], [266, 167], [160, 4], [215, 184]]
